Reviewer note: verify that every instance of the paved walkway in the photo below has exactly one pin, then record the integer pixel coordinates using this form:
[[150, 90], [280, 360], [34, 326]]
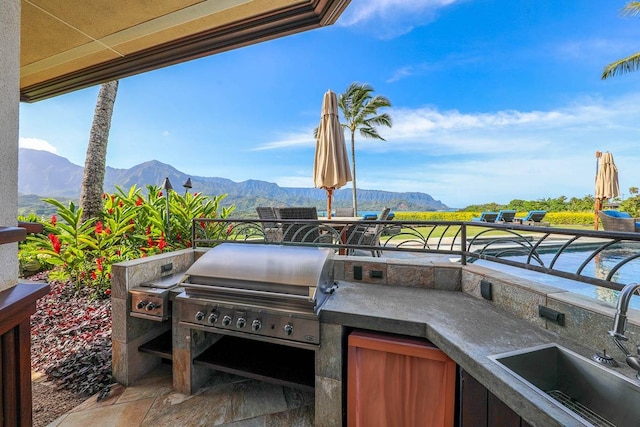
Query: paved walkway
[[226, 400]]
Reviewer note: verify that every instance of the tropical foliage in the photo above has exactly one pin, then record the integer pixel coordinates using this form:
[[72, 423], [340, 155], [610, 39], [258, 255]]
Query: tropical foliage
[[131, 225], [631, 204], [360, 112], [630, 63], [558, 204]]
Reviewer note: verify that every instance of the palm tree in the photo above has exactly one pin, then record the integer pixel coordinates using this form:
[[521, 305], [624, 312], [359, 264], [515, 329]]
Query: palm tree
[[360, 111], [630, 63], [95, 161]]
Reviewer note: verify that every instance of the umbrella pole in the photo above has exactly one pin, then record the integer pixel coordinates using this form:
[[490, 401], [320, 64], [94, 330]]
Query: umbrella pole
[[598, 202], [329, 193]]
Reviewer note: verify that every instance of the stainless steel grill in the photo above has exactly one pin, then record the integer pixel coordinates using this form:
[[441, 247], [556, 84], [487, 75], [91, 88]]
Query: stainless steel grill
[[265, 292]]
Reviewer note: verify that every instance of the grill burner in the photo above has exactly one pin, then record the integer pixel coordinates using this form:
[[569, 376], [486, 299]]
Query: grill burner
[[150, 300], [265, 292]]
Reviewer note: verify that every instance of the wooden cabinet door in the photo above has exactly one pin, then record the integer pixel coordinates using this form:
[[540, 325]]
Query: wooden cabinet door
[[481, 408], [398, 381]]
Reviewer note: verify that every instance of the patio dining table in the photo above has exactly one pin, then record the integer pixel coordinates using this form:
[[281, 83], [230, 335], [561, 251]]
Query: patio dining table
[[341, 225]]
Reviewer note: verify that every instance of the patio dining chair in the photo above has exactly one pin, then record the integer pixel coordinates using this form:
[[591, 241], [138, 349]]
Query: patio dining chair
[[299, 232], [367, 233], [272, 230]]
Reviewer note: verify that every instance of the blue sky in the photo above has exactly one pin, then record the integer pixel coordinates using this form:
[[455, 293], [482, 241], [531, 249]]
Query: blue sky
[[492, 100]]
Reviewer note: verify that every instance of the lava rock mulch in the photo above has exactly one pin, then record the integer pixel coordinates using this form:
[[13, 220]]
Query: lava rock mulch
[[71, 339]]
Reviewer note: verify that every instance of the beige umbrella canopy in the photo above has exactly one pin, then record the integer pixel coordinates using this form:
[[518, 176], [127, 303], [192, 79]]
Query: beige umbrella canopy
[[331, 165], [607, 185]]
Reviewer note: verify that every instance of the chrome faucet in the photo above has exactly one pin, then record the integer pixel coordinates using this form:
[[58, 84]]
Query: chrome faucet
[[620, 325]]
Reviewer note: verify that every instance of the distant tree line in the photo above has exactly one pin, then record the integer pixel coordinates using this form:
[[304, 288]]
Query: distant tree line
[[558, 204]]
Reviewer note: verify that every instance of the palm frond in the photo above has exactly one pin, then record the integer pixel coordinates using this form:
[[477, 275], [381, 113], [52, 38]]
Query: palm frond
[[370, 133], [622, 66], [631, 9]]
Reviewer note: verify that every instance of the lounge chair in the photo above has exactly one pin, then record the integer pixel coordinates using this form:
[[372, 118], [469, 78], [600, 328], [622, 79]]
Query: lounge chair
[[506, 215], [534, 218], [294, 232], [486, 217], [618, 221]]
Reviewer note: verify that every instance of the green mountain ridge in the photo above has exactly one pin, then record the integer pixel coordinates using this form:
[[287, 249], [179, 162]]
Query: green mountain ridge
[[44, 174]]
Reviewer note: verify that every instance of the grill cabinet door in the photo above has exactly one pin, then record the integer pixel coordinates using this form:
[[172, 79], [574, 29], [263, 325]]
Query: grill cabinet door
[[398, 381]]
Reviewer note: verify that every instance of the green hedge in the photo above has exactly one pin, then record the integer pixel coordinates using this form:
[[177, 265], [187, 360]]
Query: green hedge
[[554, 218]]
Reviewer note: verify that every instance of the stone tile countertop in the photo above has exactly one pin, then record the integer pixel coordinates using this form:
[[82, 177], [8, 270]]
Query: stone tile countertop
[[467, 329]]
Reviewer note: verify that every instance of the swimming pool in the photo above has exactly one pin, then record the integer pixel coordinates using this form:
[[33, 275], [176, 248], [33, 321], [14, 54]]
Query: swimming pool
[[570, 261]]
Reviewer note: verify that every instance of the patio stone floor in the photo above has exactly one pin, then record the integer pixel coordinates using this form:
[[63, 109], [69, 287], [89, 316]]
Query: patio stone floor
[[225, 400]]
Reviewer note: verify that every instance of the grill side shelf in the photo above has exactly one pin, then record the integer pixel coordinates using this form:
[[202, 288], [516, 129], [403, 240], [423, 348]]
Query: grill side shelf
[[263, 361]]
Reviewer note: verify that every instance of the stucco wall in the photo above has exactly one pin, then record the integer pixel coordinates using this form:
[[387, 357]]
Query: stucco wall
[[9, 108]]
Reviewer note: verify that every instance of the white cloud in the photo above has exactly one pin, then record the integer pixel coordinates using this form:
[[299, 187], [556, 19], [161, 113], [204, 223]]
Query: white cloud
[[401, 73], [447, 63], [392, 18], [363, 11], [463, 158], [291, 140], [37, 144], [165, 133]]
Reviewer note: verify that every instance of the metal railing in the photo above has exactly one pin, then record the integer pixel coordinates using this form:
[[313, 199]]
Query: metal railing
[[535, 248]]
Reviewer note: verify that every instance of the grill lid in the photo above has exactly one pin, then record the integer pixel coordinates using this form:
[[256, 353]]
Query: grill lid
[[273, 268]]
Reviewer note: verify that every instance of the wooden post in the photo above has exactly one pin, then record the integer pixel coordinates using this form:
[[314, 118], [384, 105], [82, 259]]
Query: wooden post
[[16, 306]]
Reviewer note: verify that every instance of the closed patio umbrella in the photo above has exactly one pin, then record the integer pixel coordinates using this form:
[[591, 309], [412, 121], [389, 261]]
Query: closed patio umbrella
[[607, 185], [331, 165]]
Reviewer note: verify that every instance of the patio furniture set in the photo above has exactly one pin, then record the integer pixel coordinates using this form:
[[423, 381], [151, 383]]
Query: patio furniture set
[[278, 227]]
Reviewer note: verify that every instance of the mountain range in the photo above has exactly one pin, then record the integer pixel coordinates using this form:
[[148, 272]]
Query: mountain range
[[44, 174]]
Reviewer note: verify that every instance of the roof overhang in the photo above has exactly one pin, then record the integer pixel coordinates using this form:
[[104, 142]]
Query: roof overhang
[[72, 44]]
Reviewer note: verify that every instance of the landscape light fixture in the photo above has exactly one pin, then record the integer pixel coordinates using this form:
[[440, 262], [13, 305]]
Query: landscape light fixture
[[166, 185], [187, 185]]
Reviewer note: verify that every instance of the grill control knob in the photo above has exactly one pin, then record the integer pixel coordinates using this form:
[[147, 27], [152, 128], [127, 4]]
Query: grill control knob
[[288, 329], [142, 304], [256, 325], [200, 316], [241, 322], [152, 306], [226, 320], [213, 317]]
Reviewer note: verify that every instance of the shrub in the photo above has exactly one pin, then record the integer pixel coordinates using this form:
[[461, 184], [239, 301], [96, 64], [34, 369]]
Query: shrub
[[131, 226]]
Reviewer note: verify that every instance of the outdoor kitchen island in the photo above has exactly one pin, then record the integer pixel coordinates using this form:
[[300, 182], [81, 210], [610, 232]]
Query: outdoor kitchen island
[[438, 301], [449, 311]]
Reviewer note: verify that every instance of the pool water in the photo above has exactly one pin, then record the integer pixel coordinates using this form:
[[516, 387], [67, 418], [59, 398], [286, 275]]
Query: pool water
[[599, 268]]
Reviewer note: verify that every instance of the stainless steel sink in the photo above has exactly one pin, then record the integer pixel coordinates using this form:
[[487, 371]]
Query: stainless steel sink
[[589, 392]]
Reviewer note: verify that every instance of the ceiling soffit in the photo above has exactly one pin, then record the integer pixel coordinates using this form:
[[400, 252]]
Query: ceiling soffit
[[65, 47]]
